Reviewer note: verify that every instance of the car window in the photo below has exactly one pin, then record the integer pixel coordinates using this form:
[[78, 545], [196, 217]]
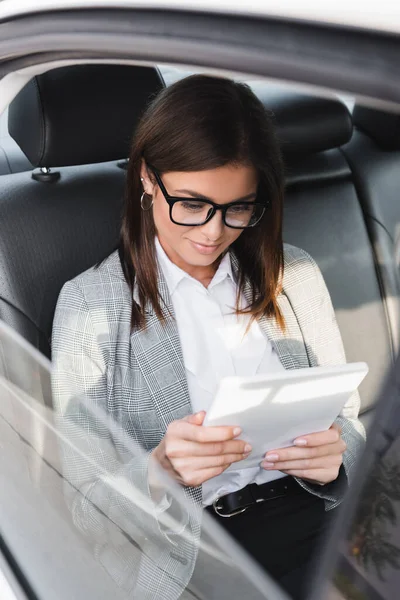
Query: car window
[[367, 553], [4, 124], [322, 215], [104, 561]]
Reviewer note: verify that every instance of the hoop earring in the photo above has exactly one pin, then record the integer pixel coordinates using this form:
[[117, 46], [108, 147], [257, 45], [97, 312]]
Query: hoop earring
[[141, 202]]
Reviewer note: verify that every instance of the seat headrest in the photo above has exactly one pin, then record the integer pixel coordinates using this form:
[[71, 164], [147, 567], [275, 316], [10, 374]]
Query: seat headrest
[[306, 124], [81, 114], [382, 127]]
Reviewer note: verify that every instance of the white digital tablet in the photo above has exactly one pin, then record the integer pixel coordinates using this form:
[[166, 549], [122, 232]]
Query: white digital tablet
[[274, 409]]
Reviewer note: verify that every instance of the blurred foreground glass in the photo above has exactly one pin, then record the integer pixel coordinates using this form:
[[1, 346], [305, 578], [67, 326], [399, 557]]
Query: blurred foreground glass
[[362, 560], [64, 557]]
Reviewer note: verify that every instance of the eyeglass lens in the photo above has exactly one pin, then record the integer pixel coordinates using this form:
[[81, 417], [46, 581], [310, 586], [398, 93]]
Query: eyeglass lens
[[196, 212]]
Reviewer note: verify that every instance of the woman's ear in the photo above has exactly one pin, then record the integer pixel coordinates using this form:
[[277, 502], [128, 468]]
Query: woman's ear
[[147, 183]]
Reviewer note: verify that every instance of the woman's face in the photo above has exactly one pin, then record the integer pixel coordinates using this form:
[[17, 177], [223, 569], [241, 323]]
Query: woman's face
[[196, 249]]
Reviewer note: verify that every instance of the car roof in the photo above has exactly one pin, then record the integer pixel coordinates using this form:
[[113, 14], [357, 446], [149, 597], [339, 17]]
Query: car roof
[[378, 16]]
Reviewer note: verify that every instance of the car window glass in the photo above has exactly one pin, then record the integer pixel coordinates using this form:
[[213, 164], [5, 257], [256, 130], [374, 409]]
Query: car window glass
[[37, 488], [103, 561], [367, 554], [4, 124]]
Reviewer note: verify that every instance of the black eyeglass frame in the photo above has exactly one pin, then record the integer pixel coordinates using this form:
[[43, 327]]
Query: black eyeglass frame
[[171, 200]]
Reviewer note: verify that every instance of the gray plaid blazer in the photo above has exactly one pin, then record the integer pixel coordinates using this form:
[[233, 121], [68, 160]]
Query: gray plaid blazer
[[138, 379]]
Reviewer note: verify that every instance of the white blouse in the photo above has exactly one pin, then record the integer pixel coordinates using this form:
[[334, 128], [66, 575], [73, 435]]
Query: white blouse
[[215, 345]]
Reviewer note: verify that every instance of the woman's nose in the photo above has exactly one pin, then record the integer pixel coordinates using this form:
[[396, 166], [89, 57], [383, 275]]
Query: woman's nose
[[214, 228]]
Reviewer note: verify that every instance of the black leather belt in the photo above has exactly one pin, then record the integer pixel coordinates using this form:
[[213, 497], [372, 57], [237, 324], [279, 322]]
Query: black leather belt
[[238, 502]]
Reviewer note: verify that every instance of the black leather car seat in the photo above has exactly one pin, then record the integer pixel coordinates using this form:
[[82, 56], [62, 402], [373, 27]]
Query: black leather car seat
[[373, 154], [55, 225], [323, 215]]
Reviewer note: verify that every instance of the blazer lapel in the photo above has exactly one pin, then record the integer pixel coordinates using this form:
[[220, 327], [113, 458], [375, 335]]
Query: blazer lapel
[[288, 345], [159, 356]]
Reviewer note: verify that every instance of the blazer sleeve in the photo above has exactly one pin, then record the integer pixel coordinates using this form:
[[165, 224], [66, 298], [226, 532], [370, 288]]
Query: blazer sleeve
[[322, 337], [105, 488]]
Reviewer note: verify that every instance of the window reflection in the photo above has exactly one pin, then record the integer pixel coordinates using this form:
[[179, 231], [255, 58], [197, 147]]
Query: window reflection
[[368, 567], [39, 528], [371, 538]]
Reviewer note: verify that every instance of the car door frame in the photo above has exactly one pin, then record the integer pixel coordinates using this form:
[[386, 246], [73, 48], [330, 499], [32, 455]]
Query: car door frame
[[358, 62]]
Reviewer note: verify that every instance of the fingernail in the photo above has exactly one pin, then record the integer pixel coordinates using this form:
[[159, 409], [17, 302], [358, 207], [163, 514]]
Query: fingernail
[[247, 448], [237, 431], [300, 442], [272, 457], [267, 465]]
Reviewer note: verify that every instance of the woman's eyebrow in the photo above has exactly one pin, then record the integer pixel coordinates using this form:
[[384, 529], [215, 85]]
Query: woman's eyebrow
[[202, 197]]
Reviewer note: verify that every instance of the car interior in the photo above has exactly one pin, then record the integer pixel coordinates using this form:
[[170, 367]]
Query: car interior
[[64, 142], [61, 191]]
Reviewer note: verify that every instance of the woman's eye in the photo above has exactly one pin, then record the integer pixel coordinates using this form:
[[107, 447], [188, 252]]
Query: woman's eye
[[241, 208], [192, 206]]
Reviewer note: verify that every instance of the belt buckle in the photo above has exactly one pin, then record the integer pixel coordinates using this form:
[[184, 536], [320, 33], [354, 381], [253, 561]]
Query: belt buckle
[[218, 508]]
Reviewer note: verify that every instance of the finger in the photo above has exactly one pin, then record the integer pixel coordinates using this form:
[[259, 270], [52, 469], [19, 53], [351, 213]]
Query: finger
[[199, 477], [197, 463], [331, 436], [196, 419], [325, 462], [182, 448], [295, 453], [194, 433]]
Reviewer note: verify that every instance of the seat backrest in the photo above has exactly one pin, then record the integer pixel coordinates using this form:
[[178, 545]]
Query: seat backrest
[[323, 215], [373, 154], [78, 122]]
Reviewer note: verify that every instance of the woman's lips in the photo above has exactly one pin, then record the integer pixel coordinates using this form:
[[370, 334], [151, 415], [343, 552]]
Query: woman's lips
[[204, 249]]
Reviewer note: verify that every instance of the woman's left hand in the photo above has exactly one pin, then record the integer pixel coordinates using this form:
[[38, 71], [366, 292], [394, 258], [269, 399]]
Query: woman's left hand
[[316, 457]]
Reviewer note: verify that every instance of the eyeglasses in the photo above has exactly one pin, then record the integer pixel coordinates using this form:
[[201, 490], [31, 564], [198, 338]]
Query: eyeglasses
[[193, 212]]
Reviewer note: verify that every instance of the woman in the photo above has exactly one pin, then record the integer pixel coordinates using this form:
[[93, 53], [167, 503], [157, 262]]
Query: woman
[[201, 288]]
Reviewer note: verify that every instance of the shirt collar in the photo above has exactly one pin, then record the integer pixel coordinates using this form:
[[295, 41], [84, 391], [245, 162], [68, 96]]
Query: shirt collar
[[224, 270], [174, 275]]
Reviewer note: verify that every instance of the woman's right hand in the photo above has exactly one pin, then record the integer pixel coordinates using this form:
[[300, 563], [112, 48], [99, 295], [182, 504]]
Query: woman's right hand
[[192, 454]]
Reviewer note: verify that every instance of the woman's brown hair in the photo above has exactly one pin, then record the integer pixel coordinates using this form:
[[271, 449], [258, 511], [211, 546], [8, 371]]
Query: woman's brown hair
[[200, 123]]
